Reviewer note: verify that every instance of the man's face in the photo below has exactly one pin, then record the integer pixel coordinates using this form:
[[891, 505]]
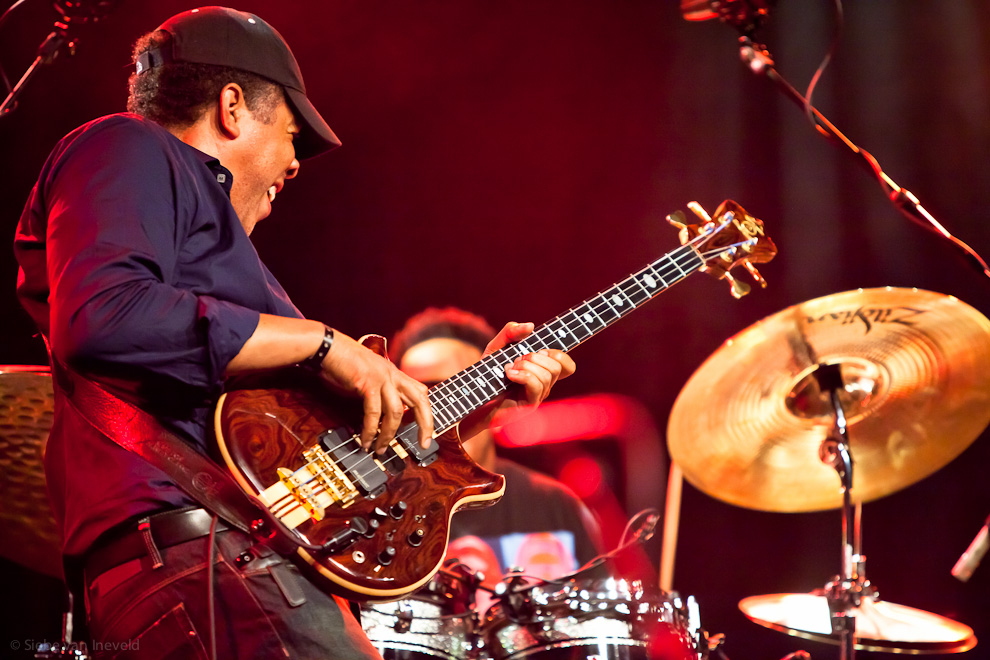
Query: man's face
[[437, 359], [263, 158]]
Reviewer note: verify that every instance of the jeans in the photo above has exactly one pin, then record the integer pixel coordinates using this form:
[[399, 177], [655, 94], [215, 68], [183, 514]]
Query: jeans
[[262, 608]]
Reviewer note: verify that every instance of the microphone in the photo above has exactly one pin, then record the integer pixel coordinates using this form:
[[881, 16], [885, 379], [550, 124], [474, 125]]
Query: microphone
[[745, 15], [969, 560]]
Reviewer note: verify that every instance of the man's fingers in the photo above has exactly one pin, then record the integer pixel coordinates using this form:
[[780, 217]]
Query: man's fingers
[[567, 364], [418, 401], [509, 333], [535, 379], [390, 419], [372, 418]]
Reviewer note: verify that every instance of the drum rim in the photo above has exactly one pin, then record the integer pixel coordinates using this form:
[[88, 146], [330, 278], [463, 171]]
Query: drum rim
[[570, 643], [415, 648]]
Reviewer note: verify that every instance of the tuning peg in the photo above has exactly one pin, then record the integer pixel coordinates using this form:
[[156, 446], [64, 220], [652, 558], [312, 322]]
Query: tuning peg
[[755, 274], [737, 288], [677, 219], [699, 211]]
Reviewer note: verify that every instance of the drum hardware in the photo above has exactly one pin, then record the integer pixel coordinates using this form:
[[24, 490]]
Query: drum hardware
[[438, 622], [892, 381], [587, 617], [403, 619], [592, 613]]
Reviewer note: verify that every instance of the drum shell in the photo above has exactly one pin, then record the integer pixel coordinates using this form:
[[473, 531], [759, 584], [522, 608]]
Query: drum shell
[[412, 629], [613, 620]]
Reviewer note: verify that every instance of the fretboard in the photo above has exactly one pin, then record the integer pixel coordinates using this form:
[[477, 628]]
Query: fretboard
[[461, 394]]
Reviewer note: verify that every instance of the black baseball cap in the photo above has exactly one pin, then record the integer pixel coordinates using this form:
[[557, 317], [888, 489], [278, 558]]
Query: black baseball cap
[[226, 37]]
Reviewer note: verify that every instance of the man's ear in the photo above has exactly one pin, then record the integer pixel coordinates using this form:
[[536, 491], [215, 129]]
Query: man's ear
[[233, 109]]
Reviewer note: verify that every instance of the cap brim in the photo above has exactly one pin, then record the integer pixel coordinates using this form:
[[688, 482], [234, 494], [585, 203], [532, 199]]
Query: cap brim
[[315, 135]]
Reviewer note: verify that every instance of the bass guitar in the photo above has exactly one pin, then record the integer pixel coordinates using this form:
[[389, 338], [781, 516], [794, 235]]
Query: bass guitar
[[376, 527]]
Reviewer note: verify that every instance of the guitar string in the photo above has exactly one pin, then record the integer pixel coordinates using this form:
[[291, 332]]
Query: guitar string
[[595, 305]]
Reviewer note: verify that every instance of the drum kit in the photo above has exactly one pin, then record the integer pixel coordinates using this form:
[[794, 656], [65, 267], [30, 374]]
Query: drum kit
[[585, 615], [827, 404]]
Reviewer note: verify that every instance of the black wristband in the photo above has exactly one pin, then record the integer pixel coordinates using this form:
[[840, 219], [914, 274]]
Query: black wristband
[[315, 361]]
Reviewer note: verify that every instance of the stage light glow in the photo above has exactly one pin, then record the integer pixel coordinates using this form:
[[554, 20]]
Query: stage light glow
[[579, 418]]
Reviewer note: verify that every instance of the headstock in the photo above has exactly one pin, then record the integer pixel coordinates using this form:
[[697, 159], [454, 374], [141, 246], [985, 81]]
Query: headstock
[[731, 238]]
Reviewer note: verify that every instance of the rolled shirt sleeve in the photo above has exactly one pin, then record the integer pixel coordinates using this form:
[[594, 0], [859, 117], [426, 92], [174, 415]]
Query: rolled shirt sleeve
[[149, 270]]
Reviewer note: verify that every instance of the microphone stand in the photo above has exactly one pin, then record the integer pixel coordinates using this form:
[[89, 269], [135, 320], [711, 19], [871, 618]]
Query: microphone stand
[[71, 12], [759, 61], [49, 49]]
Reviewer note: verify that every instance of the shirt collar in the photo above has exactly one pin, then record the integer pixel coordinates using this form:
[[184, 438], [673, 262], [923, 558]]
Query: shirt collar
[[221, 173]]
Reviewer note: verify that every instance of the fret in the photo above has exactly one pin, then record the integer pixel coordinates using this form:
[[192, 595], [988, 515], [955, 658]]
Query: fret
[[443, 416], [585, 316], [607, 312], [481, 386], [692, 261], [679, 268], [616, 302], [469, 394], [467, 391], [634, 291], [560, 334], [458, 405]]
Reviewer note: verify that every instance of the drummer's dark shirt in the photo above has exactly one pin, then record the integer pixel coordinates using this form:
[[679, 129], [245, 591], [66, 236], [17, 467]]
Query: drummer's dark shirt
[[539, 525], [135, 266]]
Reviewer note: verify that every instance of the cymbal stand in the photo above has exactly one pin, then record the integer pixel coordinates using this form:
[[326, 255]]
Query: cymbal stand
[[846, 591]]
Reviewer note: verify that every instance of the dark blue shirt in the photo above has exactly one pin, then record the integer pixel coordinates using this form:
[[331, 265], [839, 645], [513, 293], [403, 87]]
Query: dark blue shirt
[[135, 266]]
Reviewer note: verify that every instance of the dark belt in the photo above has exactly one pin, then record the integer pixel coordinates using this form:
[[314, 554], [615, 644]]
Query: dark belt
[[131, 542]]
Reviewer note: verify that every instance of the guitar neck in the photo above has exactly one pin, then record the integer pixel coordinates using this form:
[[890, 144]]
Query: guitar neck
[[460, 395]]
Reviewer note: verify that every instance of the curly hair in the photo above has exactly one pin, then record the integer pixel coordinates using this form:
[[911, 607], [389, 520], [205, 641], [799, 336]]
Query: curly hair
[[178, 93], [433, 322]]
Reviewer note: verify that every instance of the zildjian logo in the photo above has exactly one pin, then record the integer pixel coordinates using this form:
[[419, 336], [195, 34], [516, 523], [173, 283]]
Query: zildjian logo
[[870, 316]]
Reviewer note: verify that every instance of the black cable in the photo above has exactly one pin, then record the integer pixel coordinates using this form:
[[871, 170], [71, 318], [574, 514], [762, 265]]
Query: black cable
[[211, 559], [809, 108]]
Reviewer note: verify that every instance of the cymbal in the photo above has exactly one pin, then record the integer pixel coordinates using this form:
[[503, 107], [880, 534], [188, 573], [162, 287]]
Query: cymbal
[[30, 536], [915, 370], [880, 626]]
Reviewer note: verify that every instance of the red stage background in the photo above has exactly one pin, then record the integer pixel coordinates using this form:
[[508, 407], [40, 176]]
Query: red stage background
[[515, 156]]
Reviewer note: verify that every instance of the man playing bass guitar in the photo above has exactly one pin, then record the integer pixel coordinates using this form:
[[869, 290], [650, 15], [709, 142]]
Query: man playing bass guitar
[[136, 265]]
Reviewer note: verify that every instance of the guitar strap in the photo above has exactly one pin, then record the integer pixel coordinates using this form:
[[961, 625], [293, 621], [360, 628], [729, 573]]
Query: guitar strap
[[140, 433]]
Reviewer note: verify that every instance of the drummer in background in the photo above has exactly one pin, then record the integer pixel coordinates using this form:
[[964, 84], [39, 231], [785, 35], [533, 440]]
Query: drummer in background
[[539, 525]]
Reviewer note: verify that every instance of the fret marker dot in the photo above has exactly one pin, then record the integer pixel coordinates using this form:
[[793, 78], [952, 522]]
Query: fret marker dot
[[616, 300], [650, 282]]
